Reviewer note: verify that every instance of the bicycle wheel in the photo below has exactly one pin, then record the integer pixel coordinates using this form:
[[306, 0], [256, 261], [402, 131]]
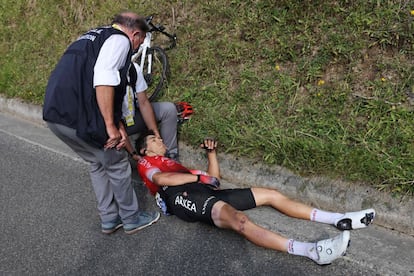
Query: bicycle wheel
[[160, 72]]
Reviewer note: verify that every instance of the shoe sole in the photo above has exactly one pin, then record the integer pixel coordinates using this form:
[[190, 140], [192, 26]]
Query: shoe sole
[[110, 231], [133, 231], [364, 221]]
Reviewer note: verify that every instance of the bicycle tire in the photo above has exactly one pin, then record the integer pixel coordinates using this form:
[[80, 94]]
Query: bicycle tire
[[160, 72]]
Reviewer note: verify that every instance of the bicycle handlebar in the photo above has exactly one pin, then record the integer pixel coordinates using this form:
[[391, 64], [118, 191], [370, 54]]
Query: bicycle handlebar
[[161, 29]]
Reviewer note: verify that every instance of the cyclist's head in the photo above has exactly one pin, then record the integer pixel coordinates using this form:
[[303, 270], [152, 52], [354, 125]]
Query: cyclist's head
[[149, 144], [133, 25]]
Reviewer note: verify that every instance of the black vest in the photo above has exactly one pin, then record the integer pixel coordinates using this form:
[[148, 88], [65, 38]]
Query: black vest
[[70, 97]]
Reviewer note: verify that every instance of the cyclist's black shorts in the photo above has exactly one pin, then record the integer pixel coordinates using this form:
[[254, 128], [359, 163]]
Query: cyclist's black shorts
[[194, 201]]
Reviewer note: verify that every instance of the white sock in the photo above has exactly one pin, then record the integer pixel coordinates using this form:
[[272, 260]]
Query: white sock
[[324, 217], [306, 249]]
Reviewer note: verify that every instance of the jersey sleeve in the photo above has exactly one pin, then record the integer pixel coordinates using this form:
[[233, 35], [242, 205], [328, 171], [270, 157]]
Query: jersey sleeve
[[146, 171], [150, 172]]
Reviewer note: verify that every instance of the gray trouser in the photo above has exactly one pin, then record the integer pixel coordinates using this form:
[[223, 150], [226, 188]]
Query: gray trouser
[[110, 173], [166, 117]]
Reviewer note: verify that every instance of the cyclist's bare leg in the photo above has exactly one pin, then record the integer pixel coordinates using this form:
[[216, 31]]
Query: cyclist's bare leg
[[225, 216], [282, 203]]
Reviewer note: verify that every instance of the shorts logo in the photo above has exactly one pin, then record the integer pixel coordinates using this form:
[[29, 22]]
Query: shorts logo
[[186, 203], [205, 204]]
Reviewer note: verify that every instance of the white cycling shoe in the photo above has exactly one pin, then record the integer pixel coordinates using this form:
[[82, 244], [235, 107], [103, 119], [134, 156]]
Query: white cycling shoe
[[355, 220], [330, 249]]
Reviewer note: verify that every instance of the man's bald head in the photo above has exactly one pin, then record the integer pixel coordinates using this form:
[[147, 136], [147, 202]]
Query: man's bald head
[[131, 21]]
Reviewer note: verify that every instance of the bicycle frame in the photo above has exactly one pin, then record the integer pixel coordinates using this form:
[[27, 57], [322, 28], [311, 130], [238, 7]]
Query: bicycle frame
[[142, 50], [149, 55], [147, 44]]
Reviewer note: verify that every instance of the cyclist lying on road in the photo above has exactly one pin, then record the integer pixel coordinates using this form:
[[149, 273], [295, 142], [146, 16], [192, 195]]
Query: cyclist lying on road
[[140, 114], [195, 196]]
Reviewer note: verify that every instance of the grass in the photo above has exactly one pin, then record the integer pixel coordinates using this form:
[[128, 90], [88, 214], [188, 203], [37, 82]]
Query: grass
[[320, 87]]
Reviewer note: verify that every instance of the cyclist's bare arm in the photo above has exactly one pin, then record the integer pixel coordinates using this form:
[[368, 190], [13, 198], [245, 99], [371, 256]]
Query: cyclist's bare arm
[[173, 178], [210, 145]]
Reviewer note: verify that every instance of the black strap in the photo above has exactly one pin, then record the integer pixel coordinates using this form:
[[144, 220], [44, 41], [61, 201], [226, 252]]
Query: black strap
[[133, 76]]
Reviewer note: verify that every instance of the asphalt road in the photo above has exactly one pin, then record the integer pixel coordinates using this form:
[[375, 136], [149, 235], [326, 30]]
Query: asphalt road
[[49, 226]]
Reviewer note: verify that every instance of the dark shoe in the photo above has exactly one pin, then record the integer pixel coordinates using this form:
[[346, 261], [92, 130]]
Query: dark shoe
[[111, 226], [144, 219]]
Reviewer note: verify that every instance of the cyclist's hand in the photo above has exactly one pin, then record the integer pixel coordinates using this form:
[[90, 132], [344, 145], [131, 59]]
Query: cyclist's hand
[[209, 144], [209, 180]]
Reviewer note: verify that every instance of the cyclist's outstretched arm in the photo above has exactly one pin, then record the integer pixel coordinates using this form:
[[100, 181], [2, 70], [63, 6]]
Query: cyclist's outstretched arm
[[210, 145]]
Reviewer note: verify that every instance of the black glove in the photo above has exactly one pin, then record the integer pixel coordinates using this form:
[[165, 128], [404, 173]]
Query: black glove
[[209, 144]]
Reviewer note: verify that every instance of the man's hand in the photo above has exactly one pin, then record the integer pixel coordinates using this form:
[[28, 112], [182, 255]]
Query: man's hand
[[209, 180], [114, 137], [124, 137]]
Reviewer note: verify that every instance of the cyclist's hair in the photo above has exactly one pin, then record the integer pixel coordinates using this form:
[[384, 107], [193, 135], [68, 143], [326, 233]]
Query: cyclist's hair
[[141, 142], [131, 22]]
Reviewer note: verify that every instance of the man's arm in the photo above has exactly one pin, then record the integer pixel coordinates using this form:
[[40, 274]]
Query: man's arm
[[149, 118], [105, 99], [111, 58], [147, 112], [124, 137], [130, 150]]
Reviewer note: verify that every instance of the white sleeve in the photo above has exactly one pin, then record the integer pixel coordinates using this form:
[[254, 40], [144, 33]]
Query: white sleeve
[[111, 59], [150, 173], [141, 84]]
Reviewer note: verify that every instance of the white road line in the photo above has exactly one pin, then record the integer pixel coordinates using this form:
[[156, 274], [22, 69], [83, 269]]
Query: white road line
[[74, 158]]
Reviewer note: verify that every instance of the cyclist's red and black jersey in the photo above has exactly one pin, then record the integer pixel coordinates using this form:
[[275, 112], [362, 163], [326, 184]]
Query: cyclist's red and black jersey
[[192, 201], [149, 165]]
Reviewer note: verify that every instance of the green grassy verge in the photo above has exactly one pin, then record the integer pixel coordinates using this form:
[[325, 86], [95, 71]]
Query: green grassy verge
[[320, 87]]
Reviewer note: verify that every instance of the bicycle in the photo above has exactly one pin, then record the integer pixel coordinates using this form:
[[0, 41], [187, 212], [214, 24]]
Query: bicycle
[[153, 60]]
